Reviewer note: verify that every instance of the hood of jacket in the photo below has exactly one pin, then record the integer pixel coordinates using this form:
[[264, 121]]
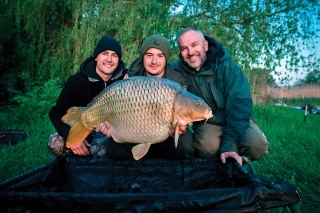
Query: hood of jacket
[[137, 69], [170, 72], [88, 67]]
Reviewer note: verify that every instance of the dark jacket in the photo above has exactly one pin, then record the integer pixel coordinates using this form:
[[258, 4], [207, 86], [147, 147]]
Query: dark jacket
[[79, 90], [137, 69], [224, 87]]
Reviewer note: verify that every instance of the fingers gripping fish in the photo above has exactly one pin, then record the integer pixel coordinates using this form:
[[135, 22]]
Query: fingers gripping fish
[[139, 110]]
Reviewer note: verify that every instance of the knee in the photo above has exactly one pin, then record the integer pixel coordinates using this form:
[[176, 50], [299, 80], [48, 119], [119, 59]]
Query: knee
[[98, 148], [254, 143], [57, 145], [207, 141], [253, 152]]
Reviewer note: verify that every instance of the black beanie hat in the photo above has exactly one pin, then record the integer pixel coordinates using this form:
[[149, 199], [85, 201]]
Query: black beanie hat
[[107, 43], [156, 41]]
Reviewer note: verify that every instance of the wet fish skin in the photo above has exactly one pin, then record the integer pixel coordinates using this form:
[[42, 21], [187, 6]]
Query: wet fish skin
[[140, 110]]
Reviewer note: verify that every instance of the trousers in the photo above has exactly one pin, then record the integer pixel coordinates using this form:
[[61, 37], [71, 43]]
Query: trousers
[[207, 139], [103, 147]]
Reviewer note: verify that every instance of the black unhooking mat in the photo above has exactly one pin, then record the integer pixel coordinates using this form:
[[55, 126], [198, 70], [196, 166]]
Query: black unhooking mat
[[82, 184]]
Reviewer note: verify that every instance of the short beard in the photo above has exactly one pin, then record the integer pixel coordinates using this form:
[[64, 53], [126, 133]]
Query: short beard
[[202, 60]]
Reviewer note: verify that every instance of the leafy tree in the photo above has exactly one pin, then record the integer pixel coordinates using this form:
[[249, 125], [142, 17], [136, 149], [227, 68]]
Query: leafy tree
[[50, 39], [59, 34], [10, 64], [312, 77], [259, 33]]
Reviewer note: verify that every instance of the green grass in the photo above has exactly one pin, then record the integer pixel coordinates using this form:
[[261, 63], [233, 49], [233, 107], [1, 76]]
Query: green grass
[[27, 154], [294, 150]]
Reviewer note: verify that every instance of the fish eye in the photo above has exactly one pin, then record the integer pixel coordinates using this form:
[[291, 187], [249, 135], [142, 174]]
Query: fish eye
[[198, 104]]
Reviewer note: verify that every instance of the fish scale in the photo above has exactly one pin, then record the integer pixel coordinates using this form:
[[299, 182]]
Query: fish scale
[[139, 110], [155, 98]]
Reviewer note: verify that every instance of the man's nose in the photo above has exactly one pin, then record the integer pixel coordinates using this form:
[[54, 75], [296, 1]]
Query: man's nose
[[190, 51], [109, 57], [154, 60]]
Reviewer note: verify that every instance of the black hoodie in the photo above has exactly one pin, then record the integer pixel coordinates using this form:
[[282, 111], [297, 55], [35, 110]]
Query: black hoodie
[[79, 90]]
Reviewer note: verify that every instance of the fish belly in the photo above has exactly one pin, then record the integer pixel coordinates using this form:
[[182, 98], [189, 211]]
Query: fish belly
[[138, 110]]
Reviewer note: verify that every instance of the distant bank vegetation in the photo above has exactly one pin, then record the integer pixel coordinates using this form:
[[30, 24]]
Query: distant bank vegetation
[[304, 92]]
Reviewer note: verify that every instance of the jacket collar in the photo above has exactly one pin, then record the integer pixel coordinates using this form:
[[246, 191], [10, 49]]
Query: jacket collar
[[88, 67]]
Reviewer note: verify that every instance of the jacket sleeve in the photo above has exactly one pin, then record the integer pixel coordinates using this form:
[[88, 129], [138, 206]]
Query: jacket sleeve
[[65, 100], [239, 106]]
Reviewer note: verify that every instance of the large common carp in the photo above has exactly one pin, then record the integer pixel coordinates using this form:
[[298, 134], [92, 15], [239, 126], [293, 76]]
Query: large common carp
[[139, 110]]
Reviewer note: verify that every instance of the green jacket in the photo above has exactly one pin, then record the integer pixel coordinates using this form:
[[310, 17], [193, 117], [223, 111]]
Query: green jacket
[[137, 69], [223, 86]]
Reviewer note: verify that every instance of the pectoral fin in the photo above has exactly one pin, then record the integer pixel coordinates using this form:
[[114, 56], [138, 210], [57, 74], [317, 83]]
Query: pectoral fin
[[176, 133], [140, 150]]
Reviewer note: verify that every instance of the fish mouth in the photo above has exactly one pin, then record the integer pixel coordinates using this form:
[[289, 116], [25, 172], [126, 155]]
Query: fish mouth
[[205, 118]]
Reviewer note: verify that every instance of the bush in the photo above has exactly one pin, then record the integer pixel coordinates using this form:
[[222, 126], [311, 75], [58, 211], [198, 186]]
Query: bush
[[36, 103]]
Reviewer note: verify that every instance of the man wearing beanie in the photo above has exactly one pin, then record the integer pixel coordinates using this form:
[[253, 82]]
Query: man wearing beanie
[[96, 73], [153, 61]]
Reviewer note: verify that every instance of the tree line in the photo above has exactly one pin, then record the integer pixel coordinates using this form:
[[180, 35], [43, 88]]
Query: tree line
[[44, 41]]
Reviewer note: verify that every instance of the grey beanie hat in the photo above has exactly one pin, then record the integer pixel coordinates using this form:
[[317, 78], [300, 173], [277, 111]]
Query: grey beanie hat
[[156, 41], [107, 43]]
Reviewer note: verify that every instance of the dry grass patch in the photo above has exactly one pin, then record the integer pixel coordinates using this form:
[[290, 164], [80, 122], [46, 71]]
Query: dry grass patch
[[306, 91], [266, 94]]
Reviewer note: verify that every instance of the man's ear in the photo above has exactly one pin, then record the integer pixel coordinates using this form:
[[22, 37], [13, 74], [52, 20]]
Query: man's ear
[[206, 45]]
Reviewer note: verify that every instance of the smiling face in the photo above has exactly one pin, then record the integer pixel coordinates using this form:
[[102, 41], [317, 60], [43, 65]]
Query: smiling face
[[193, 48], [107, 62], [154, 62]]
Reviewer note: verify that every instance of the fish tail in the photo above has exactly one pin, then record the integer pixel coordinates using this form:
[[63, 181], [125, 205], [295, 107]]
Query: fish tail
[[78, 131]]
